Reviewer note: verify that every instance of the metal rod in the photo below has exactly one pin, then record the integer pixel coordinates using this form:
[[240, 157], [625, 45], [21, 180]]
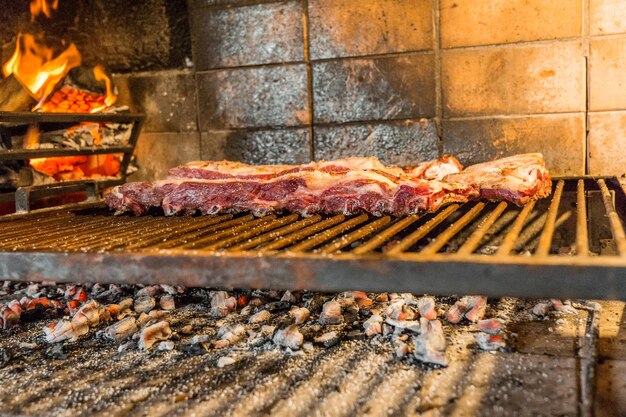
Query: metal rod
[[422, 231], [228, 232], [474, 240], [385, 235], [322, 237], [443, 238], [142, 242], [511, 237], [188, 237], [588, 355], [616, 224], [543, 248], [343, 241], [275, 234], [252, 232], [582, 237], [302, 234]]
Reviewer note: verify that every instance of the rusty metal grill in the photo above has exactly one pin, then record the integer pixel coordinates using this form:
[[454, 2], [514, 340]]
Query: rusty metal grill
[[570, 245]]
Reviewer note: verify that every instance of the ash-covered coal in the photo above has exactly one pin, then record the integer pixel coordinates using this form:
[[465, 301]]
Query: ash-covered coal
[[148, 318]]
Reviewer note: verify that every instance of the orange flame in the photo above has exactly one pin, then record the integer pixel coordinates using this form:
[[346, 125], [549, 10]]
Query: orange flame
[[38, 7], [110, 98], [34, 66]]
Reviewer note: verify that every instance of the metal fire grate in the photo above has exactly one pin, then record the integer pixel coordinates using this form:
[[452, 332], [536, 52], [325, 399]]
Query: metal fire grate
[[570, 245], [12, 123]]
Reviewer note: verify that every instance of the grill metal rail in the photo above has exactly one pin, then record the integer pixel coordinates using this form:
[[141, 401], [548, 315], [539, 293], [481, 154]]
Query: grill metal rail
[[570, 245]]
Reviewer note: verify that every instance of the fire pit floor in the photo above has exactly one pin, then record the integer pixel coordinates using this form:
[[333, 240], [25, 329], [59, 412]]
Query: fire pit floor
[[537, 374]]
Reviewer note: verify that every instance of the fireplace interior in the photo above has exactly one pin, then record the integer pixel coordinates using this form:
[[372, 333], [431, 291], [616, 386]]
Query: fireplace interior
[[236, 314]]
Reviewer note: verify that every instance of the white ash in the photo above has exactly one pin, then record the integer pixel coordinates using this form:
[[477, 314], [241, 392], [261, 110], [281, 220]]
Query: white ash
[[412, 325], [490, 342], [373, 325], [426, 308], [225, 361], [430, 345], [166, 346]]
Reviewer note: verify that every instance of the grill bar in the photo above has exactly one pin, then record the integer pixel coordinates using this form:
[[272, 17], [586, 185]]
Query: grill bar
[[516, 229], [252, 232], [322, 237], [616, 225], [423, 230], [343, 241], [190, 236], [384, 236], [334, 253], [548, 229], [474, 240], [454, 228], [302, 234], [275, 234], [582, 235]]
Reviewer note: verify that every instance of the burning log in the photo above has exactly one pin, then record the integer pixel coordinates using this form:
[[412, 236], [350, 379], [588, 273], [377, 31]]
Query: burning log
[[13, 95]]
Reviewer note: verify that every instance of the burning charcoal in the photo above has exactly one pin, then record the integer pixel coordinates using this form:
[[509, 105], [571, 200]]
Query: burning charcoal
[[151, 334], [359, 297], [144, 303], [88, 313], [382, 297], [120, 310], [288, 297], [300, 315], [32, 290], [260, 317], [412, 325], [331, 313], [477, 307], [563, 307], [225, 361], [315, 303], [166, 346], [268, 330], [15, 306], [472, 307], [222, 304], [166, 302], [398, 310], [9, 317], [426, 307], [490, 342], [243, 300], [275, 306], [121, 330], [229, 334], [328, 339], [289, 337], [541, 309], [373, 325], [346, 301], [66, 330], [150, 291], [402, 349], [430, 345], [490, 326]]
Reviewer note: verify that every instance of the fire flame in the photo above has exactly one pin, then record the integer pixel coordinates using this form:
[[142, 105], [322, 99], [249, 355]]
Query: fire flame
[[38, 7], [33, 65]]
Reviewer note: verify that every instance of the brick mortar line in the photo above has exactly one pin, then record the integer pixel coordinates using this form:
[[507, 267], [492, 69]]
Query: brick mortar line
[[515, 44], [513, 116], [585, 39], [309, 75], [436, 12], [219, 7]]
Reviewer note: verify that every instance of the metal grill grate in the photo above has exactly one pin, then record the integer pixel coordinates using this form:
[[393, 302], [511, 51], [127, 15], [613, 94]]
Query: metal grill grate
[[571, 245]]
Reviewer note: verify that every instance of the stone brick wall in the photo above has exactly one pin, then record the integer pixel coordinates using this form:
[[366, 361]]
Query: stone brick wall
[[404, 80]]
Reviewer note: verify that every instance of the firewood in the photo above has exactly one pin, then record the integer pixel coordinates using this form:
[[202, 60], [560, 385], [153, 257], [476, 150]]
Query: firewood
[[13, 95]]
